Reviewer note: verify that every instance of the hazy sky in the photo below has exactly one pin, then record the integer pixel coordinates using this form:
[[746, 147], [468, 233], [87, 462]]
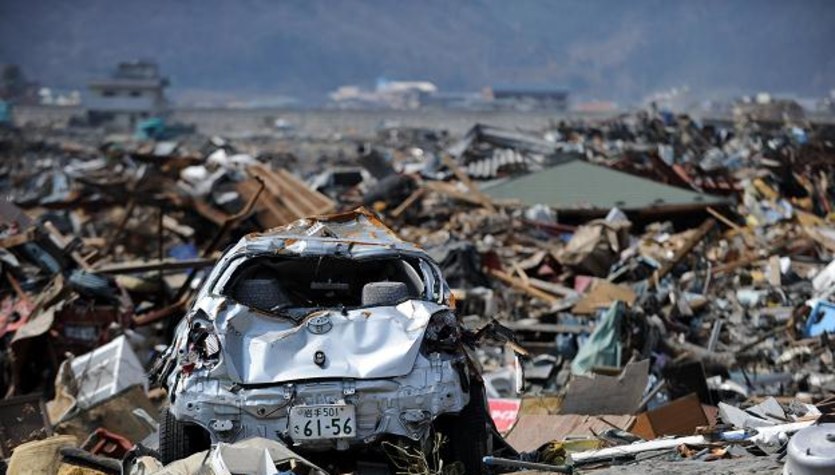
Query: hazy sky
[[612, 49]]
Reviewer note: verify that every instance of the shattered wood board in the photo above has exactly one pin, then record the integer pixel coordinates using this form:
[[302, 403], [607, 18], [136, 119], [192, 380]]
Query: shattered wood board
[[531, 431], [679, 417], [207, 211], [540, 405], [601, 394], [602, 295]]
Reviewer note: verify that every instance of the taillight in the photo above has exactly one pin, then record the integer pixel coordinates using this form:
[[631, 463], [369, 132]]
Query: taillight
[[443, 333], [203, 347]]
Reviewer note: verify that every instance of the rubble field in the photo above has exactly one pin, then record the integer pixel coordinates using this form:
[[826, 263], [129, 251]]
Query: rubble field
[[647, 293]]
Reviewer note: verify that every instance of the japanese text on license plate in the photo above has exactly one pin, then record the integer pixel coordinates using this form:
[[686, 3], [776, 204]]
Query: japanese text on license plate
[[323, 422]]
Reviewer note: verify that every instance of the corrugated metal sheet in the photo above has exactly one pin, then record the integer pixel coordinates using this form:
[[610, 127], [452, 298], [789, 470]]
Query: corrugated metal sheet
[[286, 198]]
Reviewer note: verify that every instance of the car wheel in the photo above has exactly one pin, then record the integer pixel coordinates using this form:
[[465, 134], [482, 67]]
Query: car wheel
[[466, 433], [178, 440]]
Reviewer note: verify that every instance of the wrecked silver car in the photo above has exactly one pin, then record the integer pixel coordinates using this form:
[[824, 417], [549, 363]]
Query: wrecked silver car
[[327, 334]]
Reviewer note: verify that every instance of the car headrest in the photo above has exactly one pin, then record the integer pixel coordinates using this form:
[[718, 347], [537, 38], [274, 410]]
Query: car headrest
[[263, 294], [384, 293]]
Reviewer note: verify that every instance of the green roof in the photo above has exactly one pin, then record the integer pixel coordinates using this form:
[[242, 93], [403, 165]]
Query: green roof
[[578, 185]]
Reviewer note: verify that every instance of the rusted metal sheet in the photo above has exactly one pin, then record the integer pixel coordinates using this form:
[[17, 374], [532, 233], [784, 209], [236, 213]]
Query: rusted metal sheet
[[287, 198]]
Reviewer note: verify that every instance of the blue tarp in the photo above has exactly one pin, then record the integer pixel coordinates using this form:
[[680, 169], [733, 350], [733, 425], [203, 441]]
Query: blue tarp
[[822, 319]]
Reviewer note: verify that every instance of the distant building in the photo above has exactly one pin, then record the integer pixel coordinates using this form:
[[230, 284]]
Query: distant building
[[48, 96], [387, 94], [15, 87], [454, 100], [763, 107], [527, 97], [134, 92], [385, 86]]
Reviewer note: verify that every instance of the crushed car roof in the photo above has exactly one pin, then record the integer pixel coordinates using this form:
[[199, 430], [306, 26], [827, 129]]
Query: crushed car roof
[[359, 227]]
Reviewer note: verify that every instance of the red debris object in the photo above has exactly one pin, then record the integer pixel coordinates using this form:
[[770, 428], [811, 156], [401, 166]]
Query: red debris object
[[106, 443]]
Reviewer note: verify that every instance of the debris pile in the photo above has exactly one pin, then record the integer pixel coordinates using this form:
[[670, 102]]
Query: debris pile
[[668, 285]]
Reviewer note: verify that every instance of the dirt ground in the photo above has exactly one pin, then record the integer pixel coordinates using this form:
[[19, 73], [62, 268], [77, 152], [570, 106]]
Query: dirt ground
[[736, 466]]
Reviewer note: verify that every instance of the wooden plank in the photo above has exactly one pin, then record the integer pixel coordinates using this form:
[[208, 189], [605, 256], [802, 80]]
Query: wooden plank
[[547, 328], [518, 284], [720, 217], [552, 287], [448, 189], [679, 417], [602, 295], [153, 265], [684, 250], [483, 199], [521, 273], [408, 202], [207, 211]]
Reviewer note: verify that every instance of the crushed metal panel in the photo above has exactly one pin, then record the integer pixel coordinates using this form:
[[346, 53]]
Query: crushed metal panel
[[353, 228], [679, 417], [506, 138], [362, 343], [252, 368]]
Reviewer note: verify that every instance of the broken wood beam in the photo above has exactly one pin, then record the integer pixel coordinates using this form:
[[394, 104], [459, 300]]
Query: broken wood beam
[[684, 250], [520, 285], [408, 202], [132, 267], [483, 199]]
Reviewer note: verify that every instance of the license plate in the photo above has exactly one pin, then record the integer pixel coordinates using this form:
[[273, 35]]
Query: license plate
[[331, 421]]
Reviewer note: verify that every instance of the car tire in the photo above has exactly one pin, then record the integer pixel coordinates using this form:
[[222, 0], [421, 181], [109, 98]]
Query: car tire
[[178, 440], [466, 433]]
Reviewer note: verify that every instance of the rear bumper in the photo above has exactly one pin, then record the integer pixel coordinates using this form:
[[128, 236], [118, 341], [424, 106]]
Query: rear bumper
[[402, 406]]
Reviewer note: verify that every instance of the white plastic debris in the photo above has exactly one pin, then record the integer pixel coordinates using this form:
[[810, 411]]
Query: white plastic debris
[[824, 282], [106, 371], [228, 459], [811, 451]]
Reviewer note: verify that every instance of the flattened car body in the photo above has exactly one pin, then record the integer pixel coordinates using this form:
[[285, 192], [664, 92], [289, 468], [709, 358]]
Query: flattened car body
[[327, 333]]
